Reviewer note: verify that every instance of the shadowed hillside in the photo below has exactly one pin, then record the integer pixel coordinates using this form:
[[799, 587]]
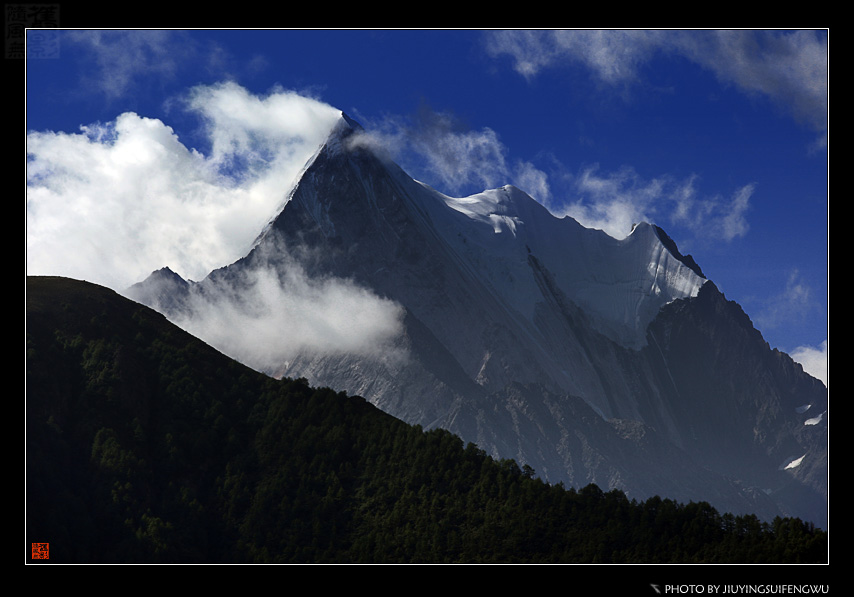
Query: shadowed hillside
[[146, 445]]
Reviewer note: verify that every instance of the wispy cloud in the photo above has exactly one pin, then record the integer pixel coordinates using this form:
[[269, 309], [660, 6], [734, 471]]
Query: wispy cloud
[[614, 56], [437, 148], [119, 59], [789, 68], [123, 64], [787, 306], [614, 201], [713, 217]]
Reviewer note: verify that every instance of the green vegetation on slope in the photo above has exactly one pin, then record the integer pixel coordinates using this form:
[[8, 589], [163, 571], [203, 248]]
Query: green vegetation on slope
[[146, 445]]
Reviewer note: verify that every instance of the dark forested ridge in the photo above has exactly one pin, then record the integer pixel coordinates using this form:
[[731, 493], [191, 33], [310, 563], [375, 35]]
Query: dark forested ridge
[[146, 445]]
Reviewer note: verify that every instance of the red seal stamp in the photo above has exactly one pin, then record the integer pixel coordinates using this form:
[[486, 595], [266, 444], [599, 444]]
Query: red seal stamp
[[41, 551]]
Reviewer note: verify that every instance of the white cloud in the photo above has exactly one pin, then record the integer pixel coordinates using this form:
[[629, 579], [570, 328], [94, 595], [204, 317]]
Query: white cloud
[[462, 158], [613, 202], [118, 200], [534, 182], [813, 360], [280, 313]]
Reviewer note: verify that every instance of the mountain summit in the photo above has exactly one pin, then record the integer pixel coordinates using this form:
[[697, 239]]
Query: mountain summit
[[590, 359]]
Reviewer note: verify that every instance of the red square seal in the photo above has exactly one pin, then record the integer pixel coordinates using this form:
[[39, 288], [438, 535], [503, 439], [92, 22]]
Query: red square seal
[[41, 551]]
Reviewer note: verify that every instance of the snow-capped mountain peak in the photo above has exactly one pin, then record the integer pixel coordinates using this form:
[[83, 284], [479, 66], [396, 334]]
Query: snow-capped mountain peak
[[593, 359], [342, 132]]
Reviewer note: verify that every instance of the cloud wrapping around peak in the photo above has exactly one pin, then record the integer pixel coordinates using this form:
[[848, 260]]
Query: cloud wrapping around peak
[[118, 200], [256, 128]]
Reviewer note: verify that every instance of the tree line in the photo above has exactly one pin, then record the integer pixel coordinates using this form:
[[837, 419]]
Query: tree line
[[146, 445]]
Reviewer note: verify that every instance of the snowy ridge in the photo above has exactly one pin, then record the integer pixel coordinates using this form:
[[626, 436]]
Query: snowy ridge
[[621, 284]]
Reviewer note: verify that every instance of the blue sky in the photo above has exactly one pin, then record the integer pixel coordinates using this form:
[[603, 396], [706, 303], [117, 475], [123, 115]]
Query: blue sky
[[149, 148]]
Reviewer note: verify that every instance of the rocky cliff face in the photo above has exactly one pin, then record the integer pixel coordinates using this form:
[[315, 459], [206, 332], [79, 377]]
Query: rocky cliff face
[[742, 409], [588, 358]]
